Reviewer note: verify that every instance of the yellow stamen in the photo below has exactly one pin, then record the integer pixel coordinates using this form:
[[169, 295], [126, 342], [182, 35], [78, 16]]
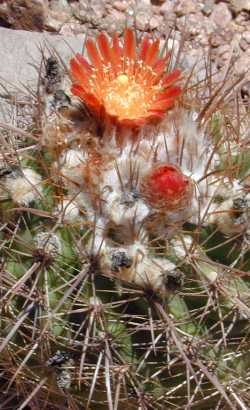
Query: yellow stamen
[[123, 79]]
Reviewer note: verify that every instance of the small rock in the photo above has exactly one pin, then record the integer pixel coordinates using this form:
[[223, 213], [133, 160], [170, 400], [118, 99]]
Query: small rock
[[166, 26], [60, 11], [203, 38], [145, 3], [221, 15], [53, 25], [239, 5], [5, 18], [194, 60], [242, 64], [142, 17], [27, 14], [59, 5], [228, 35], [120, 5], [90, 12], [224, 50], [245, 95], [224, 54], [242, 19], [166, 8], [192, 24], [155, 22], [246, 36], [72, 28], [184, 7], [244, 44], [208, 7], [113, 22], [97, 7]]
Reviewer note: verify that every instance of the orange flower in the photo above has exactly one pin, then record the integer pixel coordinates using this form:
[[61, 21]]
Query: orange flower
[[126, 84]]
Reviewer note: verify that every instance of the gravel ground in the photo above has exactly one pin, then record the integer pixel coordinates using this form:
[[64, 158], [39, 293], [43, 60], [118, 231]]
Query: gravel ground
[[222, 26]]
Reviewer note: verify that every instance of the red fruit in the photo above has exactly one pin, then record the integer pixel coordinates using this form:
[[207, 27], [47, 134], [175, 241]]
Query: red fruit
[[166, 187]]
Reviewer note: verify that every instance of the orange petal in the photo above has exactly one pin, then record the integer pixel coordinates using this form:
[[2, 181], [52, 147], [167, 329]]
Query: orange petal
[[171, 78], [144, 48], [152, 53], [104, 48], [94, 55], [129, 44], [161, 63], [88, 98], [116, 51], [149, 60], [159, 68], [172, 92], [129, 52], [84, 63], [136, 122], [79, 74], [162, 105]]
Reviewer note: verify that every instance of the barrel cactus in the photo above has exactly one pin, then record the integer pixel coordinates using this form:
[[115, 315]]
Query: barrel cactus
[[125, 210]]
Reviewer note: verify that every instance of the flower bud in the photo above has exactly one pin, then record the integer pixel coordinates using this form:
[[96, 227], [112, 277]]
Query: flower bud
[[166, 188]]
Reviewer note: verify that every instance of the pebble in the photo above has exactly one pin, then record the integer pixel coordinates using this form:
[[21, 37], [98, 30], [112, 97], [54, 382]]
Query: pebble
[[72, 28], [215, 40], [155, 22], [224, 54], [242, 64], [242, 19], [208, 7], [246, 36], [245, 94], [239, 5], [224, 50], [26, 15], [191, 23], [120, 5], [221, 15], [59, 13], [113, 22], [52, 24], [244, 45], [90, 12], [143, 16], [184, 7], [166, 8]]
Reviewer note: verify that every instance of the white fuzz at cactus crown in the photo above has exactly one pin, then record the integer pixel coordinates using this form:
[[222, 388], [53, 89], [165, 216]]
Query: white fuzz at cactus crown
[[24, 188]]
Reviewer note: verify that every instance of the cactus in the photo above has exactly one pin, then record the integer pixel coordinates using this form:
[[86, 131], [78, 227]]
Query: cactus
[[125, 210]]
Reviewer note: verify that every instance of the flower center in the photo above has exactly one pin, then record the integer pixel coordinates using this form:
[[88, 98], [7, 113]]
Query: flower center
[[127, 97]]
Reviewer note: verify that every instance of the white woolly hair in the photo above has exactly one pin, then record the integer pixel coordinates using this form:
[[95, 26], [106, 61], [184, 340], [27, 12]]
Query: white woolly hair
[[24, 188], [69, 211], [48, 241], [71, 163], [145, 271]]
